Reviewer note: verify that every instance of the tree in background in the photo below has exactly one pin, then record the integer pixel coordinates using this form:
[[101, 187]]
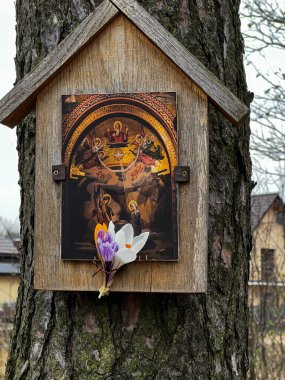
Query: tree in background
[[73, 335], [265, 42], [9, 228]]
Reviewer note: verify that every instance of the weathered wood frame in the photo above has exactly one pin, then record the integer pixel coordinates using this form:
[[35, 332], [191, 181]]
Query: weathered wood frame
[[83, 62], [143, 67]]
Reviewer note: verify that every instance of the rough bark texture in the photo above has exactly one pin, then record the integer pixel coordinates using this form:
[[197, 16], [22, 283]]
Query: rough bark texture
[[64, 336]]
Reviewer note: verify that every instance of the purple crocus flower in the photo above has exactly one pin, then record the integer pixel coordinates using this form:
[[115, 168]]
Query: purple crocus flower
[[107, 246], [101, 234]]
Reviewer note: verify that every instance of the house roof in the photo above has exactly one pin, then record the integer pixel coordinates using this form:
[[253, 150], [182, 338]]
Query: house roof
[[260, 204], [22, 98], [7, 247]]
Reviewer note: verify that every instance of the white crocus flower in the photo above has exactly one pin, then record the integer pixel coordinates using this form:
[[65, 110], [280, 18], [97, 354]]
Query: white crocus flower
[[129, 246]]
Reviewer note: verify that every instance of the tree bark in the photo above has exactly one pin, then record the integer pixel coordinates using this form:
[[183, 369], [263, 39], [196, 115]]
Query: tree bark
[[68, 335]]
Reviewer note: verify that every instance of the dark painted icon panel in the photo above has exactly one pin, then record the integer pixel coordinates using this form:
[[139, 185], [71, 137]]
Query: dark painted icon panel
[[120, 151]]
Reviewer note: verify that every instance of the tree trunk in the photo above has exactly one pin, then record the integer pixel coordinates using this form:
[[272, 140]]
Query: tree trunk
[[68, 335]]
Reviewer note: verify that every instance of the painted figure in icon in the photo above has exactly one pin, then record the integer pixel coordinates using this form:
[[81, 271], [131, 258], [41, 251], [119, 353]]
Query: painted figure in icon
[[90, 152], [107, 211], [135, 217], [146, 149], [102, 209], [117, 135], [149, 148]]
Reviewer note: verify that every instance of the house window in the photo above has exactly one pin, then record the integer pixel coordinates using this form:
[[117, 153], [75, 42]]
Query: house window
[[279, 217], [267, 264]]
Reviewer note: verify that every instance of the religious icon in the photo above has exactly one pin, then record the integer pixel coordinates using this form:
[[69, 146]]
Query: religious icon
[[120, 151]]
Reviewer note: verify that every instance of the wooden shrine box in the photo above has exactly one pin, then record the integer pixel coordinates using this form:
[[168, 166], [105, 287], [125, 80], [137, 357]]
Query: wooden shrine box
[[118, 49]]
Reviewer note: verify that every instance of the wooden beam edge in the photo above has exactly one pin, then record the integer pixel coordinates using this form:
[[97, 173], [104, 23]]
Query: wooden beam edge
[[21, 100], [232, 107], [45, 286]]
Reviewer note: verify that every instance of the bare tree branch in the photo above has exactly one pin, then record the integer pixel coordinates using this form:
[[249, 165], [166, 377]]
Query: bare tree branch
[[266, 31]]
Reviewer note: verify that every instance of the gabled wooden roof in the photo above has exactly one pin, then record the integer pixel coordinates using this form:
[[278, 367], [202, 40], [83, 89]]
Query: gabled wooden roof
[[22, 98]]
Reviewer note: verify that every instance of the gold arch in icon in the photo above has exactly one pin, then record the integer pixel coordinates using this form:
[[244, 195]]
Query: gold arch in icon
[[127, 109]]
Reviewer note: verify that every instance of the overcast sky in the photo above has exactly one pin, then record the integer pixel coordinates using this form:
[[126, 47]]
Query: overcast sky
[[9, 189]]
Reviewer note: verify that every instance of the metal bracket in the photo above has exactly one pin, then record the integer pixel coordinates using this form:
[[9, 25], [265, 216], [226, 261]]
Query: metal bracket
[[58, 173], [182, 174]]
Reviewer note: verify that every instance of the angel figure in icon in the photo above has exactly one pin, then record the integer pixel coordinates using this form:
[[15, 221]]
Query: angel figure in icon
[[90, 153], [102, 207], [146, 149]]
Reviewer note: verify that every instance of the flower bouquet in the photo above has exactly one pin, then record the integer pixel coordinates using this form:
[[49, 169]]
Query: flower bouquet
[[116, 250]]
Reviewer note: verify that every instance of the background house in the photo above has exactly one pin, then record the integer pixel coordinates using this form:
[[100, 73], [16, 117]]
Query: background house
[[267, 287], [268, 251], [267, 272], [9, 271], [9, 283]]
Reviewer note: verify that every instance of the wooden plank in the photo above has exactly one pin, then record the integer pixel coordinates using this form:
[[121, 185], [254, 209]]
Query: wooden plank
[[122, 59], [218, 93], [191, 272], [22, 98]]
